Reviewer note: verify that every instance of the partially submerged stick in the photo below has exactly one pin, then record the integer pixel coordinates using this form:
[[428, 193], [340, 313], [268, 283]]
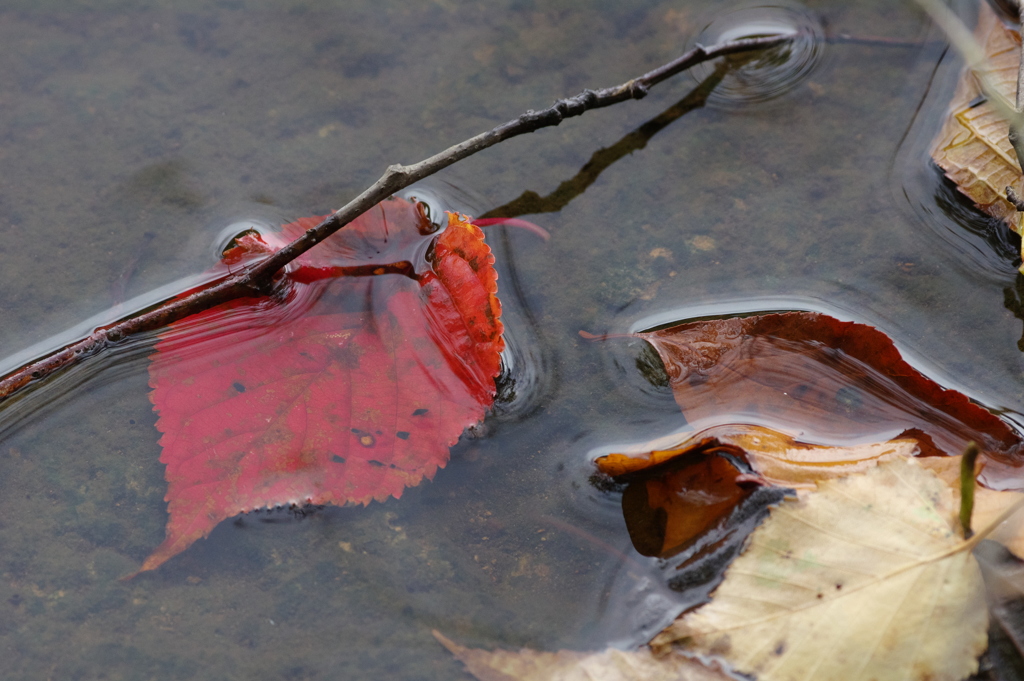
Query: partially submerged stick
[[256, 279]]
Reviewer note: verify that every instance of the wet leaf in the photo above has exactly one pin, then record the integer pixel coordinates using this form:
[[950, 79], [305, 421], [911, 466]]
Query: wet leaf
[[347, 385], [865, 579], [973, 147], [567, 665], [818, 380], [778, 458]]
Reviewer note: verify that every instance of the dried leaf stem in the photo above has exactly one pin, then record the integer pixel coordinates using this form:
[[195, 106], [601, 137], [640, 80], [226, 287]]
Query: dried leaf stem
[[1020, 70], [1015, 130], [257, 279]]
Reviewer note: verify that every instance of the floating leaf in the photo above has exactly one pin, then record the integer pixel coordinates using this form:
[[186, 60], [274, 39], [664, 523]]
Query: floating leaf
[[347, 385], [973, 147], [820, 380], [865, 579], [567, 665]]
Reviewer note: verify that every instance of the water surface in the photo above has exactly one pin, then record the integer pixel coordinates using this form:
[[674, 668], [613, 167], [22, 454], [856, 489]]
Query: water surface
[[135, 132]]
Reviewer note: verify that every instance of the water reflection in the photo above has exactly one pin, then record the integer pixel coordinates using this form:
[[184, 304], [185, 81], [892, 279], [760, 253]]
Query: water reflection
[[529, 202], [991, 237], [1013, 300]]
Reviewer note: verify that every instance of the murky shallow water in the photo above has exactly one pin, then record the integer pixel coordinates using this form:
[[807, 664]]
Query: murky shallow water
[[134, 133]]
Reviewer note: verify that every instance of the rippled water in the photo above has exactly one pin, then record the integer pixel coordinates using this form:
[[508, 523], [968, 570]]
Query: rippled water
[[773, 73], [138, 137]]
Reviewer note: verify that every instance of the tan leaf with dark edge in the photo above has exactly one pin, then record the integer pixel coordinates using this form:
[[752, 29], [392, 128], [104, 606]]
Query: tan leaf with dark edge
[[568, 665], [973, 147], [866, 579]]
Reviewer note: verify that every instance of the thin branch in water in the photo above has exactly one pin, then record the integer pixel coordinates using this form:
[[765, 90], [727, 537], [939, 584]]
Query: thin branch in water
[[530, 202], [398, 177], [258, 279]]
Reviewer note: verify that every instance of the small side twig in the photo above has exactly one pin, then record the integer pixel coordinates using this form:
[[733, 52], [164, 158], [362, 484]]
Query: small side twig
[[257, 279], [967, 483]]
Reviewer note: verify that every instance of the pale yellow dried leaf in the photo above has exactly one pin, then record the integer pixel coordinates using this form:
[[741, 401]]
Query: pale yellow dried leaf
[[567, 665], [973, 147], [866, 579], [777, 457], [790, 463], [988, 504]]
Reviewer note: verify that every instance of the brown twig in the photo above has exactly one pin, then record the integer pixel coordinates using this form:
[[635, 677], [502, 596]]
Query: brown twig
[[257, 279]]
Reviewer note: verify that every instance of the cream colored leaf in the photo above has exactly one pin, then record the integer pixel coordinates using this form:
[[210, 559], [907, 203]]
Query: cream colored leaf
[[973, 147], [567, 665], [865, 579]]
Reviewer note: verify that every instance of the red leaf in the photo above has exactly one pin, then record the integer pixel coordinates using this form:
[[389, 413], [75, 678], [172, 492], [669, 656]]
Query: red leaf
[[347, 386], [825, 381]]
